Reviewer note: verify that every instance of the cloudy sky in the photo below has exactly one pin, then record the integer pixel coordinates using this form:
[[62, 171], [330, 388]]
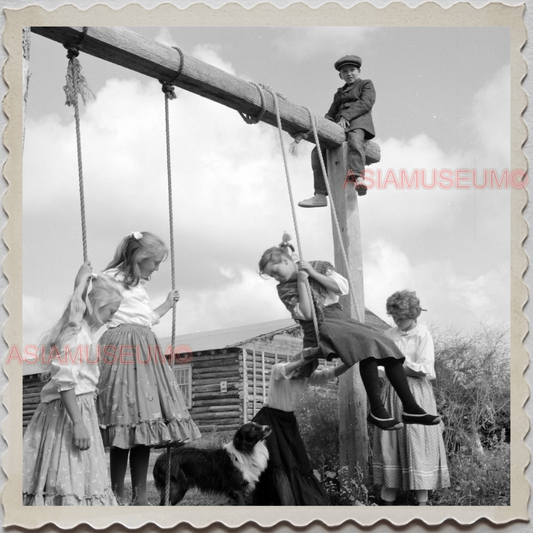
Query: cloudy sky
[[442, 103]]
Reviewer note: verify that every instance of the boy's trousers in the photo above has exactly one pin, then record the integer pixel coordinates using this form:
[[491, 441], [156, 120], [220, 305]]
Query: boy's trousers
[[356, 160]]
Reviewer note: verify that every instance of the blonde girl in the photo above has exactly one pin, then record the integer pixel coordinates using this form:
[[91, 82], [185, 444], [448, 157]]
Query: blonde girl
[[63, 455], [139, 401]]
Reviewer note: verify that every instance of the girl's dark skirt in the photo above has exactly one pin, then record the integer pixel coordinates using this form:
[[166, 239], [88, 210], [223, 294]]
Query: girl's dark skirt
[[289, 477], [139, 399], [343, 337]]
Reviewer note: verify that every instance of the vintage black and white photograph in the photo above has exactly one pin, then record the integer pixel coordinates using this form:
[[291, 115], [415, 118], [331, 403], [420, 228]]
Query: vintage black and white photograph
[[270, 265]]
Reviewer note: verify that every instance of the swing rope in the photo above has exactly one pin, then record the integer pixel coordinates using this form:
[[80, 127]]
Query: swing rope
[[293, 209], [312, 117], [76, 84], [254, 120], [168, 90], [297, 139]]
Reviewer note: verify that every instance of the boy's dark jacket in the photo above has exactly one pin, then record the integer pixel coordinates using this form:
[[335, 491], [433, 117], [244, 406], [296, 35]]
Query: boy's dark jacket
[[354, 102]]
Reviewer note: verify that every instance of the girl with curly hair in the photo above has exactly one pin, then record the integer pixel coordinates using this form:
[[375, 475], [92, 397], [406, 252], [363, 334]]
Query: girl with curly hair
[[413, 458]]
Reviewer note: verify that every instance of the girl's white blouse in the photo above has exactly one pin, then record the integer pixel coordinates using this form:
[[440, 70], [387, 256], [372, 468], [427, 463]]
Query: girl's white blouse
[[331, 297], [285, 393], [418, 348], [135, 307], [75, 367]]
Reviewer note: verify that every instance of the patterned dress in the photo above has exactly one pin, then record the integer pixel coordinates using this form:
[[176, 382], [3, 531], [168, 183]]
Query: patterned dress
[[414, 457], [139, 399], [55, 472]]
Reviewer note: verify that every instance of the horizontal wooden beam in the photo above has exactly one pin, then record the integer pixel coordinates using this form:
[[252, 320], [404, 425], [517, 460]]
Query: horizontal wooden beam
[[135, 52]]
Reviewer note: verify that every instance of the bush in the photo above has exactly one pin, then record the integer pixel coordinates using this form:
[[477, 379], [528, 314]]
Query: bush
[[472, 388], [479, 479], [344, 491], [318, 421]]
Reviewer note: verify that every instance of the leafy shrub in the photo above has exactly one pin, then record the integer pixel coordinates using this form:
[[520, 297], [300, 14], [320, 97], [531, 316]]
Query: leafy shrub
[[318, 421], [344, 491], [479, 479], [472, 388]]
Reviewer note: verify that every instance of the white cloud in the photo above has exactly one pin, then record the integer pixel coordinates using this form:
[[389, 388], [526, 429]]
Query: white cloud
[[302, 43], [490, 121], [164, 36], [446, 292]]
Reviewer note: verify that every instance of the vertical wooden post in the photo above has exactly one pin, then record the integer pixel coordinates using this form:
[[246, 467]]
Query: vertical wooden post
[[353, 432], [245, 398]]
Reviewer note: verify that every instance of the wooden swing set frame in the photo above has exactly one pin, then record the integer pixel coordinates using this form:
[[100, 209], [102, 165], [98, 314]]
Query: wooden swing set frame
[[128, 49]]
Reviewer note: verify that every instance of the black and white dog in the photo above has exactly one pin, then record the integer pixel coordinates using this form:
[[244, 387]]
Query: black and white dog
[[232, 470]]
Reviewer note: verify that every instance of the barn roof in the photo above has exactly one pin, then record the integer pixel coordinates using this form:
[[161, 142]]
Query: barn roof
[[227, 338]]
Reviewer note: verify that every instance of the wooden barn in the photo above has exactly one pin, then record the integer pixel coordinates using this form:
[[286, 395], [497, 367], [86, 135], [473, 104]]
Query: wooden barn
[[223, 374]]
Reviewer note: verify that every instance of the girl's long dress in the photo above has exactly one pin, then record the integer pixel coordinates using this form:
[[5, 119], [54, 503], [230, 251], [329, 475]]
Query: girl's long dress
[[340, 335], [288, 478], [343, 337], [55, 472], [414, 457], [139, 399]]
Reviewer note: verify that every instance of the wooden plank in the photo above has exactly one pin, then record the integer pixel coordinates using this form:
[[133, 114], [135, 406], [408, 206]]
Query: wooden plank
[[206, 429], [232, 380], [235, 406], [128, 49], [223, 376], [216, 416], [214, 393], [219, 401], [353, 432], [199, 365], [244, 371]]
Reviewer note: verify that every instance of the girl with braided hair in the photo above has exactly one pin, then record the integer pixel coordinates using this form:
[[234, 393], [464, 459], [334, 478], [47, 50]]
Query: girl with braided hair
[[340, 335]]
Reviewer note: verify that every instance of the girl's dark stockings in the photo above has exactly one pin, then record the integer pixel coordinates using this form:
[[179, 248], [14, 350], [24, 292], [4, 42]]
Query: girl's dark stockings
[[368, 368]]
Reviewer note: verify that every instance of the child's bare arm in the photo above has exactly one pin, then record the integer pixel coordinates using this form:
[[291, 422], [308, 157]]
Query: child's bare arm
[[80, 434], [83, 272], [303, 295], [340, 370], [324, 280]]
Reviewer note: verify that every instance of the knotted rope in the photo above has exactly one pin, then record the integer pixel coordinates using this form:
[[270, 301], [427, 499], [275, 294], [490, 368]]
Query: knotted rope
[[76, 84], [312, 117], [254, 120], [293, 210], [168, 90]]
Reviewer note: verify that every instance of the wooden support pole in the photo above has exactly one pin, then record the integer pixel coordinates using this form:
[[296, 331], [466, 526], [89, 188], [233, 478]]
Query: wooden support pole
[[135, 52], [353, 432]]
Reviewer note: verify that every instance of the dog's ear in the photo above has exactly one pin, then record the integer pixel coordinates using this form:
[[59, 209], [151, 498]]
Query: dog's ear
[[238, 438]]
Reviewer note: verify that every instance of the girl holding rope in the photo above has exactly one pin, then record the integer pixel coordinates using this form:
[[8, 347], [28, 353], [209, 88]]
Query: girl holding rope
[[340, 335], [64, 458], [139, 402]]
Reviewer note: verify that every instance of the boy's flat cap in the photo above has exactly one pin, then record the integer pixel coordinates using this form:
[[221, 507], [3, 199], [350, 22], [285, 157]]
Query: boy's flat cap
[[348, 60]]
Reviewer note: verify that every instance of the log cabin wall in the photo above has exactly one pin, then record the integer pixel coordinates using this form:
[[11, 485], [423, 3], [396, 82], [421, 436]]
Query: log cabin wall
[[216, 389], [31, 396]]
